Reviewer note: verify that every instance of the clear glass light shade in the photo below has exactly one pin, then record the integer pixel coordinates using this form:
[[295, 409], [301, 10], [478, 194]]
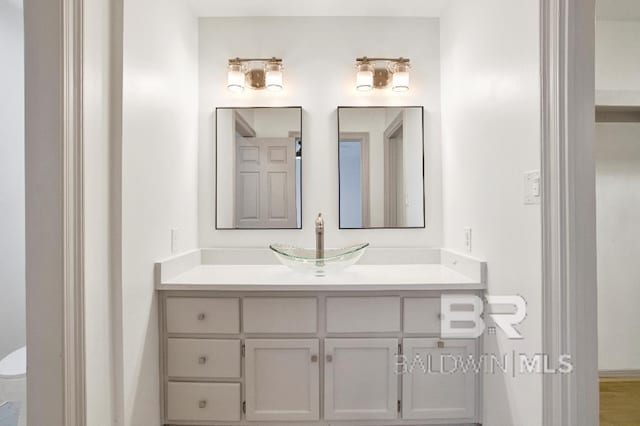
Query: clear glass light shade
[[400, 82], [273, 77], [235, 78], [364, 77]]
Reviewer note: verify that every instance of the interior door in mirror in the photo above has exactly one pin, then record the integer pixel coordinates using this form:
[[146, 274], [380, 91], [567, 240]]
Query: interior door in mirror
[[381, 166], [258, 168]]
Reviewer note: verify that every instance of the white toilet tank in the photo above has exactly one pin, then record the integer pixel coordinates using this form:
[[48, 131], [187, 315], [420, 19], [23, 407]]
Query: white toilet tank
[[13, 381]]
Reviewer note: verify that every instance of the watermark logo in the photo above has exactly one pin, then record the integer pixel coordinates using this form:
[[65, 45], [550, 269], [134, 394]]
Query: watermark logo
[[461, 315], [511, 363]]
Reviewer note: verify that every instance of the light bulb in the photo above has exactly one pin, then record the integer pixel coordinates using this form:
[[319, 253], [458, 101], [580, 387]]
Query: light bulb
[[273, 77], [400, 82], [235, 78], [364, 77]]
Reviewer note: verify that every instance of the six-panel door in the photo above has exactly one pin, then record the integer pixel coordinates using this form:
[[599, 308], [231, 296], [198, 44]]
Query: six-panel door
[[282, 379], [360, 379]]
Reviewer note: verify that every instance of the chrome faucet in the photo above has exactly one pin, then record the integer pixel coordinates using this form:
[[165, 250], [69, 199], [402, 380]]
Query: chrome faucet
[[320, 237]]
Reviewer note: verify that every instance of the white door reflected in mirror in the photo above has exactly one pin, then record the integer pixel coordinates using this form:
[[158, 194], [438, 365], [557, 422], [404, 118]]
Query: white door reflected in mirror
[[258, 168]]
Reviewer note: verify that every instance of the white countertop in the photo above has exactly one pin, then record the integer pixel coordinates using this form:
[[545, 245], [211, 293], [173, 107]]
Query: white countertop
[[454, 272], [357, 277]]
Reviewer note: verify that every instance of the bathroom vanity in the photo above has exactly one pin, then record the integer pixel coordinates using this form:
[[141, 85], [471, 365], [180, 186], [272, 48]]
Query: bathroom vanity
[[246, 341]]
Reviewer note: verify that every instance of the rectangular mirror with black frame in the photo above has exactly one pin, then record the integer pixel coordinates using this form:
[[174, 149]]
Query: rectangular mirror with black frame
[[381, 166], [259, 168]]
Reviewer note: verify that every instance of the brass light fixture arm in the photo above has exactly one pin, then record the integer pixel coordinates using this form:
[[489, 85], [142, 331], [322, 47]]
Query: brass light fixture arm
[[365, 59], [237, 61]]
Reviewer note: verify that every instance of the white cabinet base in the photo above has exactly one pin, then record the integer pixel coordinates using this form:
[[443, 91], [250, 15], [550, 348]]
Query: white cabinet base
[[309, 359]]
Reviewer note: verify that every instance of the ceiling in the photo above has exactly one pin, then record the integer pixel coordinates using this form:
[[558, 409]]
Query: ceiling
[[627, 10], [395, 8], [605, 9]]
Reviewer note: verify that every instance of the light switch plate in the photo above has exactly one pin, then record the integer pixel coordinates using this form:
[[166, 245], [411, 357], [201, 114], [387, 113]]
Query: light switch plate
[[532, 187]]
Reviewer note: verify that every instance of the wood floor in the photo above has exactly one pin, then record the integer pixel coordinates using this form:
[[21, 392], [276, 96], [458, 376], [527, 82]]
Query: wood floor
[[620, 402]]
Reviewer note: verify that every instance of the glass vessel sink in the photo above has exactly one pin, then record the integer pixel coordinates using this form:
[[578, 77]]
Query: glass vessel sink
[[305, 260]]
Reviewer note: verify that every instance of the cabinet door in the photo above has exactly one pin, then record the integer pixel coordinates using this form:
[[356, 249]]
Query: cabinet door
[[360, 382], [282, 379], [434, 383]]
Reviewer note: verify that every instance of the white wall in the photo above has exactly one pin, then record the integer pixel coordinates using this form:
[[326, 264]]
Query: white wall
[[159, 180], [319, 56], [12, 244], [490, 136], [617, 171], [276, 123], [618, 63], [618, 212]]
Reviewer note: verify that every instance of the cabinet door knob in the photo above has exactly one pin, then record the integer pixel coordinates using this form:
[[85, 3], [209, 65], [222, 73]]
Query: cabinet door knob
[[201, 317], [202, 404], [329, 358], [440, 344], [202, 360], [314, 358]]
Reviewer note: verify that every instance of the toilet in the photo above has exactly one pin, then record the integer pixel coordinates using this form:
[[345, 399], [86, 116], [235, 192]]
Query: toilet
[[13, 382]]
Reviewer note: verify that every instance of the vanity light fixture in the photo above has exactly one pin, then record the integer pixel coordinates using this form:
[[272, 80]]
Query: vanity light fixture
[[254, 73], [380, 73]]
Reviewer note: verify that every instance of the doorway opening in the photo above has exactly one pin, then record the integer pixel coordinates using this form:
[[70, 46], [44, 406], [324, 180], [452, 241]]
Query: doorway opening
[[354, 180]]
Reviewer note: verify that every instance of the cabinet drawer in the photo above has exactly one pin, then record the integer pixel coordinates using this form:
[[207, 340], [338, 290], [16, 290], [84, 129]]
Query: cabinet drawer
[[203, 315], [363, 314], [203, 358], [203, 402], [280, 315], [422, 315]]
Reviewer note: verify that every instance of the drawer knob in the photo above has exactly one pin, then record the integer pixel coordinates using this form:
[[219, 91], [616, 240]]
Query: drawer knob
[[314, 358], [202, 360], [329, 358], [439, 316], [201, 317], [202, 404]]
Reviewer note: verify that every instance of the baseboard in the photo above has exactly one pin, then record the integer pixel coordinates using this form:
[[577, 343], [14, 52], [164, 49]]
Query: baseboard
[[619, 373]]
